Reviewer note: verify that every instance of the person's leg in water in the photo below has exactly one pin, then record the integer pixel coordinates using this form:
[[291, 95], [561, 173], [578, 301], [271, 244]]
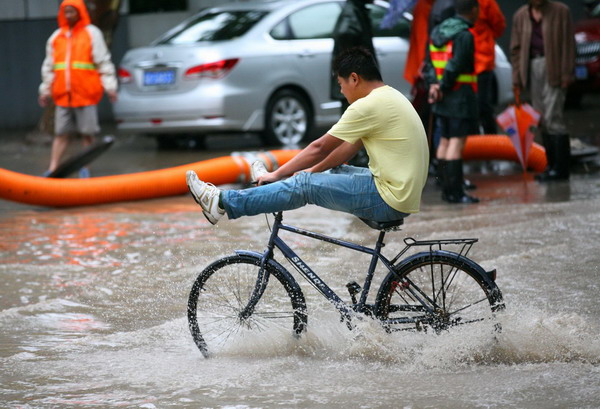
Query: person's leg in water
[[346, 188], [68, 123], [64, 127], [59, 147], [86, 141], [87, 123]]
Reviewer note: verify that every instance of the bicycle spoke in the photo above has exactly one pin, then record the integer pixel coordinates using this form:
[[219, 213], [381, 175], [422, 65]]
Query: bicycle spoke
[[223, 314], [437, 291], [468, 306], [275, 315], [468, 322], [415, 288]]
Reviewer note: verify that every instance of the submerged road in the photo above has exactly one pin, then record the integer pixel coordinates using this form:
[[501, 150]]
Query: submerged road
[[93, 299]]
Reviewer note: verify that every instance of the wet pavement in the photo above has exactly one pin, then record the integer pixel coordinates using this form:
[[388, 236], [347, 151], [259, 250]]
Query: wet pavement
[[93, 299]]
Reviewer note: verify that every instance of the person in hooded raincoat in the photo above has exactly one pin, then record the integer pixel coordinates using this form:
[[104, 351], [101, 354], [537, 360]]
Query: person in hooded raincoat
[[352, 29], [450, 71], [76, 71]]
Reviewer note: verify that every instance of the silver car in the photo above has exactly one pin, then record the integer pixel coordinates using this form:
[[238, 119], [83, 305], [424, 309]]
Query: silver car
[[253, 67]]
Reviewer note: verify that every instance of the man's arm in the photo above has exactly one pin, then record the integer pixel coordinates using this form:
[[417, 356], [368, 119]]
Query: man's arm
[[308, 157], [462, 61], [102, 59], [434, 94], [515, 51], [496, 18], [44, 90], [342, 154], [568, 49]]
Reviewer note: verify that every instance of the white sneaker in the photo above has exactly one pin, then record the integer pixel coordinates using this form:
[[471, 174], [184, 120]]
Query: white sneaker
[[206, 195], [257, 170]]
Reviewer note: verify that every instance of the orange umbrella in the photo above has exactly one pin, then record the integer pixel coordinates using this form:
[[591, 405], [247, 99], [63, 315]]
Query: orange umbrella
[[519, 121]]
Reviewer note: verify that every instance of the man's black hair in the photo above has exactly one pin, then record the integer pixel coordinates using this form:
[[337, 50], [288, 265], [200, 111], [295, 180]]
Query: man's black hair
[[358, 60], [465, 6]]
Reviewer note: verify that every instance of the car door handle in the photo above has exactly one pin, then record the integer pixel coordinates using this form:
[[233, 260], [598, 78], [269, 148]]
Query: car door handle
[[306, 54]]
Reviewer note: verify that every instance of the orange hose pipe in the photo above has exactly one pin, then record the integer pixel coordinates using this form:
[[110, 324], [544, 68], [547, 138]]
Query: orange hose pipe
[[51, 192], [499, 147]]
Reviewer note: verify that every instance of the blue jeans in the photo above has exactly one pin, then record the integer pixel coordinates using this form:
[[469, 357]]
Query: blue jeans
[[345, 188]]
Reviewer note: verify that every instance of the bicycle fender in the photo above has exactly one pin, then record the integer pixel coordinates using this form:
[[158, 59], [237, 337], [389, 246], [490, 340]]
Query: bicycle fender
[[485, 276], [285, 274]]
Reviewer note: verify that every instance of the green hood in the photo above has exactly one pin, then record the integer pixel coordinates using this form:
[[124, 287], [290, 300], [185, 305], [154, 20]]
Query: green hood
[[448, 29]]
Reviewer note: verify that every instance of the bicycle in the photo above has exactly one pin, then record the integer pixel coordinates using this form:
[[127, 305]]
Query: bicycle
[[435, 289]]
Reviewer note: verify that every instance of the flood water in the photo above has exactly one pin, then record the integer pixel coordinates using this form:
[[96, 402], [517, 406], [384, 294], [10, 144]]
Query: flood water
[[93, 306]]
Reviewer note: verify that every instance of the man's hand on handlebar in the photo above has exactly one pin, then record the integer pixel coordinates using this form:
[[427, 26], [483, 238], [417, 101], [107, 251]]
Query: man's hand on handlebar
[[267, 178]]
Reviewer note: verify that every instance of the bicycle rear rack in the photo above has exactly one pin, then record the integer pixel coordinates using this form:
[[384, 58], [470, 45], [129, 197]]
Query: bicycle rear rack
[[465, 246]]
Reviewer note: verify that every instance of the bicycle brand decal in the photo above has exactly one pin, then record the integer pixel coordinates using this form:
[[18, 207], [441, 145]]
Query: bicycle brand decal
[[303, 268]]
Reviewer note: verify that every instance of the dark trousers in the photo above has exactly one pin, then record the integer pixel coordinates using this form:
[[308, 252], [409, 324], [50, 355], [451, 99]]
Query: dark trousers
[[486, 98]]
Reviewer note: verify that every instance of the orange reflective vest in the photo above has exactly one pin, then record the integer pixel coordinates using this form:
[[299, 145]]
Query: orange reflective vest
[[76, 80], [439, 59]]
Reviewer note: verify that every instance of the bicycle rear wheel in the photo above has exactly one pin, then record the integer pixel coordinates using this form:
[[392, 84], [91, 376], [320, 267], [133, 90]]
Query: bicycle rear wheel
[[224, 311], [436, 290]]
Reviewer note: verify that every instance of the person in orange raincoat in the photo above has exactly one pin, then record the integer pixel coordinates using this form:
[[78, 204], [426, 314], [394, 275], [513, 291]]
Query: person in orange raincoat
[[419, 38], [489, 26], [75, 73]]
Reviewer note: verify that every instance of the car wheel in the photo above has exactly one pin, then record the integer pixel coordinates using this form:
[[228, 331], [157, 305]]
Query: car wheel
[[288, 118]]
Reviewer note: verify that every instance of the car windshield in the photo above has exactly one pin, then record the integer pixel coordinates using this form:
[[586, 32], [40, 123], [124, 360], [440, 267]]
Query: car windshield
[[213, 26]]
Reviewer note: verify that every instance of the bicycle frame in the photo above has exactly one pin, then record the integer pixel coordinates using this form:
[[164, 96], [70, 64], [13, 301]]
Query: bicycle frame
[[277, 242], [346, 311]]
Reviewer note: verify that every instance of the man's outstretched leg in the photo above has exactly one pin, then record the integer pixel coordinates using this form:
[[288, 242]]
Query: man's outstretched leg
[[287, 194], [347, 189]]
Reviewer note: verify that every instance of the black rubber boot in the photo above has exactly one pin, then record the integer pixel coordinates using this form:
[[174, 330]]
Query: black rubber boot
[[455, 192], [562, 157], [440, 169], [547, 140], [558, 152], [468, 185]]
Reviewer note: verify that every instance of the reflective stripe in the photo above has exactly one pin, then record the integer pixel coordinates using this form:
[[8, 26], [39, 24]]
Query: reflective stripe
[[83, 65], [75, 65], [467, 78], [439, 59]]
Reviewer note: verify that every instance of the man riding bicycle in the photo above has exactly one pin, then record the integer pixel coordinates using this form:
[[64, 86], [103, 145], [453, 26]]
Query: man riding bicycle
[[379, 118]]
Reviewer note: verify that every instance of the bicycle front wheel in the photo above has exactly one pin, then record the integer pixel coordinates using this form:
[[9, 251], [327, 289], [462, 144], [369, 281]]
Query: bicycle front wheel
[[225, 310], [436, 291]]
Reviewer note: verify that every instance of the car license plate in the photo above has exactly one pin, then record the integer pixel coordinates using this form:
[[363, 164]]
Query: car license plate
[[159, 77], [581, 72]]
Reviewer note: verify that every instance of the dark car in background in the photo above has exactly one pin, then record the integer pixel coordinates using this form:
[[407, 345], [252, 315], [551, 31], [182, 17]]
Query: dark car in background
[[587, 69]]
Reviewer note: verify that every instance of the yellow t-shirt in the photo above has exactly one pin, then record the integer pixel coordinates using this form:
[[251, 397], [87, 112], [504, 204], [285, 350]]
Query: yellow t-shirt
[[394, 137]]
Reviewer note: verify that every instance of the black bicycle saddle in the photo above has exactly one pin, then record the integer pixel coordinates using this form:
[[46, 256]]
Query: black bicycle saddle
[[383, 225]]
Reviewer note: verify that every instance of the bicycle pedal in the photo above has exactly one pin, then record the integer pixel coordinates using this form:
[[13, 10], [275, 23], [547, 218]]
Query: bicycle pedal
[[353, 288], [420, 327]]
